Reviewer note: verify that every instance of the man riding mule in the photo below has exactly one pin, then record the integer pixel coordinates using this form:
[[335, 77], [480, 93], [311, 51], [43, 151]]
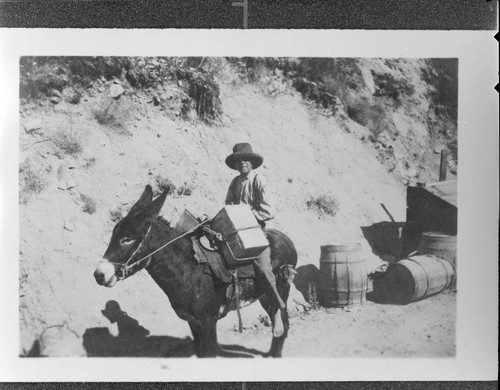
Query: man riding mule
[[143, 240], [250, 188]]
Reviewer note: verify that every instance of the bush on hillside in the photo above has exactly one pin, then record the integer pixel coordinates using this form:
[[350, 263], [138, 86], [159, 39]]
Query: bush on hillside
[[113, 113], [32, 181], [69, 140], [39, 75], [204, 94], [372, 116], [88, 204], [442, 74], [394, 88], [116, 215], [324, 204], [164, 183]]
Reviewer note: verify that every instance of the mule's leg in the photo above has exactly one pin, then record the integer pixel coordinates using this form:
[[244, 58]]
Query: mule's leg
[[276, 315], [195, 330], [206, 331]]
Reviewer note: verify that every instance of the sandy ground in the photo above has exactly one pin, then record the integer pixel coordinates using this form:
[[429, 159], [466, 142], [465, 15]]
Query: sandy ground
[[420, 329]]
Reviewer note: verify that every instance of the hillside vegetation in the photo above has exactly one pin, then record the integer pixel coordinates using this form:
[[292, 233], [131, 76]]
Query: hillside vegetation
[[339, 138]]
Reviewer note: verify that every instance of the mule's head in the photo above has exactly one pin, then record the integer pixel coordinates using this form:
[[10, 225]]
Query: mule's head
[[128, 234]]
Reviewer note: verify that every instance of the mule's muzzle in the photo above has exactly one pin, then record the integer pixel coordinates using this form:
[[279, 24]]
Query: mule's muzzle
[[105, 274]]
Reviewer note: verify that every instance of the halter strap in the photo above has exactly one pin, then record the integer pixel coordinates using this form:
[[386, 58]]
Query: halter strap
[[125, 268]]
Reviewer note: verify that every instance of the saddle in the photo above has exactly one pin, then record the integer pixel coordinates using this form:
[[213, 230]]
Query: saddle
[[207, 252]]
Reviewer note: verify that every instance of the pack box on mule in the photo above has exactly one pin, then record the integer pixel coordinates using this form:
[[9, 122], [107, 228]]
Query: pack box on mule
[[243, 237]]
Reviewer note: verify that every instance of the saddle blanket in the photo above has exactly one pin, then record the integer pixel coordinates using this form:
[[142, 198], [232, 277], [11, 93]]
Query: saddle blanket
[[214, 261]]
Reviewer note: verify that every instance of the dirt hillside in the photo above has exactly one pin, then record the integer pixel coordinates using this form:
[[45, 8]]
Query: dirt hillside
[[88, 149]]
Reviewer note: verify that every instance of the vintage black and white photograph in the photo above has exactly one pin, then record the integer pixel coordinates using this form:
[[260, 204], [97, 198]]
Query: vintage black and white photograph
[[175, 207], [349, 224]]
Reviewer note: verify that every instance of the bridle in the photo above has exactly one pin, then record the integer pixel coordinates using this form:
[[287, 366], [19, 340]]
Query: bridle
[[123, 270]]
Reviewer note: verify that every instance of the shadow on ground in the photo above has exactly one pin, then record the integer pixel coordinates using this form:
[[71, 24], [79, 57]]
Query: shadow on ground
[[385, 239], [306, 279], [133, 340]]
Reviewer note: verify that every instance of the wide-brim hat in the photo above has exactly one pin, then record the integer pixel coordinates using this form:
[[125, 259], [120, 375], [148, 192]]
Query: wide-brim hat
[[243, 151]]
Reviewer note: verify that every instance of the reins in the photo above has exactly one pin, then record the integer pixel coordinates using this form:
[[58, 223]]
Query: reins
[[125, 268]]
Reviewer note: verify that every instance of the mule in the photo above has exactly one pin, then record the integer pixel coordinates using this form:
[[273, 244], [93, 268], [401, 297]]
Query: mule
[[195, 295]]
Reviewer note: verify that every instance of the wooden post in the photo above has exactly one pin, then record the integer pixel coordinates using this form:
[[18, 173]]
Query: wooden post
[[444, 164], [243, 4]]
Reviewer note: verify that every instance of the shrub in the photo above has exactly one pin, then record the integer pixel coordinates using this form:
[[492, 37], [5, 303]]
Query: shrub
[[89, 205], [31, 181], [442, 74], [113, 113], [163, 183], [185, 189], [372, 116], [324, 204], [357, 109], [312, 296], [388, 85], [68, 141], [377, 120], [203, 91], [103, 115], [116, 215], [40, 75], [75, 97]]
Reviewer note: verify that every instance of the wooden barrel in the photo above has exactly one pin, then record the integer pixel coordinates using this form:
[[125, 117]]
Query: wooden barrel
[[418, 277], [343, 276], [439, 244], [443, 246]]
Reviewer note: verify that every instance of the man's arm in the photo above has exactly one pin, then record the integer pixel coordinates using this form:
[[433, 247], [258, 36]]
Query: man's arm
[[230, 198], [263, 207]]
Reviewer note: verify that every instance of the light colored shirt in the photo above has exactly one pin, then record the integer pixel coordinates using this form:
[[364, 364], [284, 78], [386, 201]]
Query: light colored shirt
[[253, 191]]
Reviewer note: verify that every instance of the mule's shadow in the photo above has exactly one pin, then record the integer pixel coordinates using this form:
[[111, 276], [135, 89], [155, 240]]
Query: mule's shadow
[[133, 340], [306, 280]]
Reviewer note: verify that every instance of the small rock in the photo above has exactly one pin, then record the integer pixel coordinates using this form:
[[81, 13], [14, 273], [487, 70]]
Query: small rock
[[69, 226], [115, 91], [54, 100], [438, 149], [56, 93], [411, 172], [33, 125]]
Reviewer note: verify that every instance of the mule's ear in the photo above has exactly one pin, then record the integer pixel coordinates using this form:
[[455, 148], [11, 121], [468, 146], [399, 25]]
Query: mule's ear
[[144, 201], [157, 204]]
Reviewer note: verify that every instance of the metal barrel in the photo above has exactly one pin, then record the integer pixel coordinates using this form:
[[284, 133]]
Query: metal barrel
[[343, 275]]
